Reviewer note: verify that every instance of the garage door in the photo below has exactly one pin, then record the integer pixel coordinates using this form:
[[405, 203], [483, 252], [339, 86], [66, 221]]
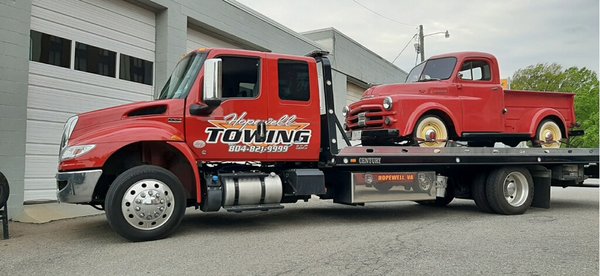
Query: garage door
[[196, 38], [85, 55], [353, 93]]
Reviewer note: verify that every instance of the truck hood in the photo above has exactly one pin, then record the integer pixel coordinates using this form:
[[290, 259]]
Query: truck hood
[[122, 112], [432, 87]]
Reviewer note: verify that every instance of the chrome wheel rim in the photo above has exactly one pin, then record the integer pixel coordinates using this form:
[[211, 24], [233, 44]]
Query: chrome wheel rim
[[515, 189], [148, 204], [432, 127], [550, 135]]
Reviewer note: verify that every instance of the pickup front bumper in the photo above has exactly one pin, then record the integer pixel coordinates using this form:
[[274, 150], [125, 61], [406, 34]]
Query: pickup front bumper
[[77, 186]]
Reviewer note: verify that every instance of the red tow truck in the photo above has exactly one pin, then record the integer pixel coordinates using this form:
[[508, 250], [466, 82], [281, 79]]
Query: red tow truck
[[244, 130], [458, 96]]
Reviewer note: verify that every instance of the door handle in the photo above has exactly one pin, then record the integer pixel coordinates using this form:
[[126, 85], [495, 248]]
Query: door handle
[[495, 88], [261, 132]]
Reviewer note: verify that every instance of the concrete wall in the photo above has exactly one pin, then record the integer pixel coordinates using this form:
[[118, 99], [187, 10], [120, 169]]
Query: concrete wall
[[14, 72]]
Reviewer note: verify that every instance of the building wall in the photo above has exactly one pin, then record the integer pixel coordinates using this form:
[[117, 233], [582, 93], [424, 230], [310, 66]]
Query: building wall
[[14, 69], [175, 20]]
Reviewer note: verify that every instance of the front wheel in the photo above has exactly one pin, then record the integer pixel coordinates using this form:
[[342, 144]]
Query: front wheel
[[509, 190], [548, 135], [431, 132], [145, 203]]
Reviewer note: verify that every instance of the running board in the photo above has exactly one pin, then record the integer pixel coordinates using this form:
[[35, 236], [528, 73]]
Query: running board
[[261, 207]]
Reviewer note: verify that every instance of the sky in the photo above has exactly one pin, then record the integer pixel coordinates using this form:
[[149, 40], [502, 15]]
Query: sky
[[518, 32]]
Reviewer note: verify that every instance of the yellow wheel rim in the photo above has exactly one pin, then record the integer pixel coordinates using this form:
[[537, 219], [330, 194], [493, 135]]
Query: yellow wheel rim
[[424, 130], [549, 135]]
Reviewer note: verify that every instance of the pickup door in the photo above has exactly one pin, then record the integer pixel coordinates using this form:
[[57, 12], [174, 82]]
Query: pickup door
[[481, 96]]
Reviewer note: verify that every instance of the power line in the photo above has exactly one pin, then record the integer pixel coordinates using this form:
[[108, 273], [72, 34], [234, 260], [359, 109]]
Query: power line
[[407, 43], [391, 19]]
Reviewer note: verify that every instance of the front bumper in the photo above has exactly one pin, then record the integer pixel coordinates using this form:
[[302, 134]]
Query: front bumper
[[77, 186]]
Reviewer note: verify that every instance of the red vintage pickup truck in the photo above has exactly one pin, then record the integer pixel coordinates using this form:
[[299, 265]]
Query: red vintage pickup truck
[[458, 97]]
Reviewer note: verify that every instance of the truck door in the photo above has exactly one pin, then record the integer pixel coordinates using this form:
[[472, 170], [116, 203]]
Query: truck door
[[482, 97], [294, 111], [229, 133]]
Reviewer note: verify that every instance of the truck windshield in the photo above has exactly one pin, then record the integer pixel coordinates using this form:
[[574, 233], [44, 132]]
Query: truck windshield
[[432, 70], [181, 80]]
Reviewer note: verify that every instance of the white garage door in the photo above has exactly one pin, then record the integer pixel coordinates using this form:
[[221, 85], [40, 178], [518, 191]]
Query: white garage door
[[198, 39], [354, 93], [85, 55]]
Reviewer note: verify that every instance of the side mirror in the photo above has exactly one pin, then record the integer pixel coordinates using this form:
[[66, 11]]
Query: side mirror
[[213, 86]]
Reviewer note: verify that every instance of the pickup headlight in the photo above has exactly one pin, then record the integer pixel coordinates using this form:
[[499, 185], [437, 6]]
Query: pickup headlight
[[345, 111], [387, 103], [75, 151]]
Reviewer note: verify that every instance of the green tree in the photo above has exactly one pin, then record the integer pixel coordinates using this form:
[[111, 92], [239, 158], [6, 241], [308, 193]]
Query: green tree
[[581, 81]]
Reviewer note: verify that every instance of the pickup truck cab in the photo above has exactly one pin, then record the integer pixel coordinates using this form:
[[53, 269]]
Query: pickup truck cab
[[458, 96]]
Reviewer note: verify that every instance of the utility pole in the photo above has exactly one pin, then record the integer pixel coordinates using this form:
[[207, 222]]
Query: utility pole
[[421, 43]]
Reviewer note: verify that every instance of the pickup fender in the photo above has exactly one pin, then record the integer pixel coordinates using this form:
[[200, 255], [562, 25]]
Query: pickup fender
[[543, 113], [425, 108]]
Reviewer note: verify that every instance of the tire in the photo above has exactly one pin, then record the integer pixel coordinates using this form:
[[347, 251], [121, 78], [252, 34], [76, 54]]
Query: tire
[[157, 193], [427, 124], [509, 190], [548, 130], [4, 190], [478, 193]]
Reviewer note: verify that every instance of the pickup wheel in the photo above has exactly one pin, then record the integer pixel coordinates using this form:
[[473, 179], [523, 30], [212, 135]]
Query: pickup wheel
[[548, 135], [509, 190], [145, 203], [431, 132], [4, 190]]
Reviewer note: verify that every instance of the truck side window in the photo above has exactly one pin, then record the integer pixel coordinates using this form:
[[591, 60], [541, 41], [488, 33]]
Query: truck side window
[[476, 70], [240, 77], [293, 80]]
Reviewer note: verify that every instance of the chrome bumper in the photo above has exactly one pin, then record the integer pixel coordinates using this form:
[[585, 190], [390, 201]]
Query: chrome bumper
[[77, 186]]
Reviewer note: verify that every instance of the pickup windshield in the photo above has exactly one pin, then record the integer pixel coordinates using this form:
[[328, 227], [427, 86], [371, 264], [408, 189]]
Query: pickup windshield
[[181, 80], [432, 70]]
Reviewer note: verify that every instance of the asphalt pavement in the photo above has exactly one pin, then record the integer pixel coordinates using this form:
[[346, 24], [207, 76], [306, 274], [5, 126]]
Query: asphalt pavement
[[320, 237]]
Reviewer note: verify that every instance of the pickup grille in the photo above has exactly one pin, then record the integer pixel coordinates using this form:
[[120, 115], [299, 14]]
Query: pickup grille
[[366, 116]]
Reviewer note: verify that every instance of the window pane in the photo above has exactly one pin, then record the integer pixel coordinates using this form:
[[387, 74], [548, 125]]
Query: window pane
[[240, 77], [135, 69], [476, 71], [293, 80], [95, 60], [49, 49]]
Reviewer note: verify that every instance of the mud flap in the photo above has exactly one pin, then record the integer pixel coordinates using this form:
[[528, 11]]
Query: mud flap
[[542, 180]]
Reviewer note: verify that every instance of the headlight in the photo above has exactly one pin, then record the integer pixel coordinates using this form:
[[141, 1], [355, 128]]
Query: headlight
[[67, 131], [75, 151], [387, 103], [345, 111]]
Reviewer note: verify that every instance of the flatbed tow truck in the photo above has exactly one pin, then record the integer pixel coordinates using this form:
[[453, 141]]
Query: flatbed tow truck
[[244, 130]]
